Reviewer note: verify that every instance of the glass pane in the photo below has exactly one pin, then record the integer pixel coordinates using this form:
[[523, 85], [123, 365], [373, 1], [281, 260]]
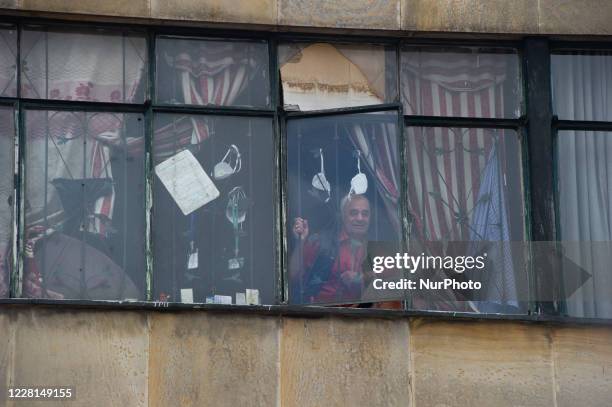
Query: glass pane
[[210, 72], [325, 76], [214, 198], [343, 205], [8, 62], [7, 154], [84, 206], [582, 85], [465, 199], [584, 187], [96, 66], [464, 82]]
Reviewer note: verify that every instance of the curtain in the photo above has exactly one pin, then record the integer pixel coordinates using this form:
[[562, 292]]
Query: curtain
[[379, 149], [211, 74], [582, 86], [72, 66], [452, 170]]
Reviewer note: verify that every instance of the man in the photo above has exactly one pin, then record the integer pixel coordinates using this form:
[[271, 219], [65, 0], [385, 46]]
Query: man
[[329, 269]]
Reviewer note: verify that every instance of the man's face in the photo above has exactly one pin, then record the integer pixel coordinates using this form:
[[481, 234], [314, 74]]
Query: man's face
[[356, 217]]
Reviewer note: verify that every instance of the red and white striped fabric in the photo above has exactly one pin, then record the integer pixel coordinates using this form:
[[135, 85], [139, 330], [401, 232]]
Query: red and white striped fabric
[[212, 74], [445, 164], [57, 139]]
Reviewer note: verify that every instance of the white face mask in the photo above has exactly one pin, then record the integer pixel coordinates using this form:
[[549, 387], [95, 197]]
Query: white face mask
[[224, 168], [319, 181], [359, 183]]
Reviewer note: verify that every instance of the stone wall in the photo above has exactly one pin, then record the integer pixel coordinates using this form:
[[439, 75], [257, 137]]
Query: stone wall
[[580, 17], [203, 358]]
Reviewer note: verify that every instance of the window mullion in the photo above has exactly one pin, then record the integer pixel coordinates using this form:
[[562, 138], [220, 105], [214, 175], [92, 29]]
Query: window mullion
[[541, 183]]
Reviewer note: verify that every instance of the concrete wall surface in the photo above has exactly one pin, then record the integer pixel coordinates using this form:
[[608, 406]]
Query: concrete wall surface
[[203, 358], [587, 17]]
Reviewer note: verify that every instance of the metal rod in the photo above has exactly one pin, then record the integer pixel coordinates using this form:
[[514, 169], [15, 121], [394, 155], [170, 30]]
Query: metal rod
[[213, 110], [345, 110], [468, 122], [581, 125]]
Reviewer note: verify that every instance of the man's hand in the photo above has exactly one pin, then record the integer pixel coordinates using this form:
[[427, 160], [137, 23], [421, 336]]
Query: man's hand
[[300, 229]]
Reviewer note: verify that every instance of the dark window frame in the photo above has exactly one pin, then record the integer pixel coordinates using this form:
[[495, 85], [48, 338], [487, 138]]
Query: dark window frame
[[537, 127]]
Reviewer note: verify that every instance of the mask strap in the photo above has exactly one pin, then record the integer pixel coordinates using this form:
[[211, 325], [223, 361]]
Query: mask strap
[[321, 156], [238, 164], [359, 161], [238, 159]]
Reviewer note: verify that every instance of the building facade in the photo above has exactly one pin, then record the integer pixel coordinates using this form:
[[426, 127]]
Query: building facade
[[195, 190]]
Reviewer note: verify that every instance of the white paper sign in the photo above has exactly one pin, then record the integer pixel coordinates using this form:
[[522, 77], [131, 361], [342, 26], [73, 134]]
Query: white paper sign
[[240, 299], [186, 181], [252, 296], [187, 295], [223, 299]]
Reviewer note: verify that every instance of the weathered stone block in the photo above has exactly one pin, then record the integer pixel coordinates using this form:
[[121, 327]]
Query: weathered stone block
[[7, 344], [366, 14], [8, 3], [481, 364], [343, 362], [234, 11], [583, 366], [575, 17], [102, 354], [202, 359], [131, 8], [490, 16]]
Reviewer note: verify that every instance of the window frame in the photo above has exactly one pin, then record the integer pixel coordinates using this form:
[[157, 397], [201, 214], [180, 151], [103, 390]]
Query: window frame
[[537, 128]]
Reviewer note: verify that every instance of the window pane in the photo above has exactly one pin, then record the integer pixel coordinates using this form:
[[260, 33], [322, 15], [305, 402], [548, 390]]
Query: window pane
[[584, 187], [214, 197], [8, 62], [100, 66], [324, 76], [465, 199], [343, 205], [465, 82], [84, 206], [7, 154], [211, 72], [582, 85]]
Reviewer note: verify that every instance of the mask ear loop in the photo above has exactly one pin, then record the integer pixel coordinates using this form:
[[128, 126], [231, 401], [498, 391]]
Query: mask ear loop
[[238, 166], [323, 172], [352, 190]]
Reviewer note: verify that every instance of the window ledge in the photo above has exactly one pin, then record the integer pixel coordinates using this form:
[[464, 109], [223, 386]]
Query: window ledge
[[293, 311]]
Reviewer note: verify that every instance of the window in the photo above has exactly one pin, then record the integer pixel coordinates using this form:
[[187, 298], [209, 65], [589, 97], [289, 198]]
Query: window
[[7, 134], [218, 248], [582, 87], [84, 170], [319, 76], [461, 82], [465, 198], [273, 169], [343, 192], [84, 203], [212, 72], [95, 66]]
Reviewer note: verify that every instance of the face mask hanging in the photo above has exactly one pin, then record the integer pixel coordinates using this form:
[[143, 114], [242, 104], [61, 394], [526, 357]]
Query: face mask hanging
[[235, 212], [319, 181], [359, 183], [224, 168]]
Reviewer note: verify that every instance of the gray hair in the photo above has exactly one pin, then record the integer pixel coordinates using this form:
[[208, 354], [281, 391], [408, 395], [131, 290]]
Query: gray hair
[[347, 199]]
